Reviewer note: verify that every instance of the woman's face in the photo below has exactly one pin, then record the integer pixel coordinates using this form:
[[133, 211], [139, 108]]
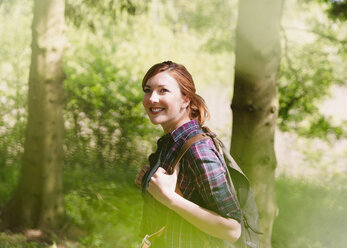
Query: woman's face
[[164, 102]]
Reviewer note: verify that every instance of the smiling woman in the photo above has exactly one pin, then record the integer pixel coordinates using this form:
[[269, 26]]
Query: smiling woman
[[164, 102], [195, 203]]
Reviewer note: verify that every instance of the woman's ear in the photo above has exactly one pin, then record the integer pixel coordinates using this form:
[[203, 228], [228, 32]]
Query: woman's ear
[[186, 102]]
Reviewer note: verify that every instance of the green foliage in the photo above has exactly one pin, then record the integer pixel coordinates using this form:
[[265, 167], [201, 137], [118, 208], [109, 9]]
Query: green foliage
[[9, 179], [106, 123], [84, 12], [308, 70], [310, 215], [105, 206], [14, 71], [336, 9], [203, 15], [202, 18], [301, 87]]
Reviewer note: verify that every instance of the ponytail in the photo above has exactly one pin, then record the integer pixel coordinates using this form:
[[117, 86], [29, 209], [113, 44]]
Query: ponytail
[[198, 109]]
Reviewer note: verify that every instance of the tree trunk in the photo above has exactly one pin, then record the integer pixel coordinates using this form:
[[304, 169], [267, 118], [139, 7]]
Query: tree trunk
[[38, 200], [255, 102]]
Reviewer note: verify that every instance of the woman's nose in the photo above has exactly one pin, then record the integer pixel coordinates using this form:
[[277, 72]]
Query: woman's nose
[[154, 98]]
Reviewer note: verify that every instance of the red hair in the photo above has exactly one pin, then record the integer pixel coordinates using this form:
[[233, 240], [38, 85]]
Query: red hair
[[197, 107]]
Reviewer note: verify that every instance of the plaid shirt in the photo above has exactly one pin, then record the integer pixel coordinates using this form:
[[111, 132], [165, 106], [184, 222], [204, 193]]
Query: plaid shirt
[[201, 179]]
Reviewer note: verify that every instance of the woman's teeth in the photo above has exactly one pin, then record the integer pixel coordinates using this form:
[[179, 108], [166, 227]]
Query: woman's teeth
[[155, 110]]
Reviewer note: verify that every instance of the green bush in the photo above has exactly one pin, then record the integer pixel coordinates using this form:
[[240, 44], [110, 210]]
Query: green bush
[[105, 207]]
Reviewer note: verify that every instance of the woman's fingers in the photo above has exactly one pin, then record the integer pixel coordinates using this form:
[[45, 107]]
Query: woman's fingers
[[160, 170], [162, 186]]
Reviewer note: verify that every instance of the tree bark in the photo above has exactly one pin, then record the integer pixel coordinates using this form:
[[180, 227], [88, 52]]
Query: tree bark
[[38, 200], [255, 102]]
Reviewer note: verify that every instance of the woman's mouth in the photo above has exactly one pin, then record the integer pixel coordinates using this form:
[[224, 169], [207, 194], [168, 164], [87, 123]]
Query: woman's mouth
[[156, 110]]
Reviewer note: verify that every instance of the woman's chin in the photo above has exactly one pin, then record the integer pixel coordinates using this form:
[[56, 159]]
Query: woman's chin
[[155, 122]]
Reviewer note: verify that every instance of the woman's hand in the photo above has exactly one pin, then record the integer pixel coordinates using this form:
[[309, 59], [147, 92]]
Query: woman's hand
[[140, 174], [162, 186]]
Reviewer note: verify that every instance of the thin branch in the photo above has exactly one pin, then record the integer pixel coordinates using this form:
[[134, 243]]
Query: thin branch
[[99, 196], [293, 71], [286, 55], [107, 203]]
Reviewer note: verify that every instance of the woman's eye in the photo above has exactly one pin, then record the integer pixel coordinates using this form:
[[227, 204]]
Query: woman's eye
[[147, 90], [164, 90]]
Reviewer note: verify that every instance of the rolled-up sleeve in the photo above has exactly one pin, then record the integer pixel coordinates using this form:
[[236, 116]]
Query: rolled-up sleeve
[[210, 176]]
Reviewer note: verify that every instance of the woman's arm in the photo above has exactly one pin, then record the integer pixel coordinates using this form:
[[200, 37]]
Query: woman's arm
[[162, 187]]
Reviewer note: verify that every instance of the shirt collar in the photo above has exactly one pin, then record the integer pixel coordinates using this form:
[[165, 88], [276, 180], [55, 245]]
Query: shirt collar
[[183, 131]]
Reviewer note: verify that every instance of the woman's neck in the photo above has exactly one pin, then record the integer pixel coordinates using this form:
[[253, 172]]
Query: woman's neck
[[179, 123]]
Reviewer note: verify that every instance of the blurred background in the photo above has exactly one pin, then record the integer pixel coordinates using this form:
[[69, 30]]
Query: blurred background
[[111, 44]]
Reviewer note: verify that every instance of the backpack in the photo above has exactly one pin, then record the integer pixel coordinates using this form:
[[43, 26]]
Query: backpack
[[240, 187]]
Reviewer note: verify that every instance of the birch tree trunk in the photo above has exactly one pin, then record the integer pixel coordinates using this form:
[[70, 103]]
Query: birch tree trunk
[[255, 102], [38, 200]]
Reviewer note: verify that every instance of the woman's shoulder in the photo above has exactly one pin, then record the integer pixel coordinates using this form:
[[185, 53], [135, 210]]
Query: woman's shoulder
[[204, 149], [204, 160], [204, 143]]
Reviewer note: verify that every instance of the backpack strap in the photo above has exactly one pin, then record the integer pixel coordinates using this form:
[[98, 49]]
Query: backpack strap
[[218, 144], [185, 148]]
